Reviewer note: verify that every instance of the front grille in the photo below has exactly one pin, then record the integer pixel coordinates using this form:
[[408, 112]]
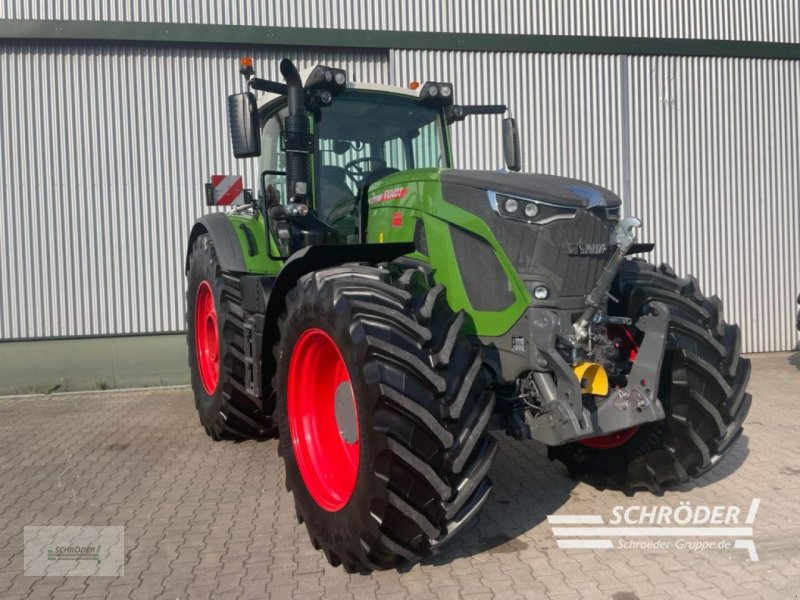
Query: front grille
[[578, 273], [541, 253], [545, 250]]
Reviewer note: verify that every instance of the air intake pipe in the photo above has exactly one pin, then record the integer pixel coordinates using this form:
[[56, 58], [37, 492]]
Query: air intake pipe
[[297, 140]]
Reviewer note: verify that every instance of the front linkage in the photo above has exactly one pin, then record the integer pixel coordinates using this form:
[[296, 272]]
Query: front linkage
[[561, 415]]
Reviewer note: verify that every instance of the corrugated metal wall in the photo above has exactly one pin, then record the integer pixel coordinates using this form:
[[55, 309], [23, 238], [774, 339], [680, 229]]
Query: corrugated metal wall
[[704, 150], [715, 172], [104, 148], [567, 105], [773, 21], [104, 153]]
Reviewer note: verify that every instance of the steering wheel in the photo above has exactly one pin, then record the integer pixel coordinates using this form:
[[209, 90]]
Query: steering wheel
[[357, 173]]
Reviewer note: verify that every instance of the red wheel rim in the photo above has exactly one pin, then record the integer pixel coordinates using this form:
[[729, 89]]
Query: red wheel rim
[[206, 337], [323, 420], [612, 440], [618, 438]]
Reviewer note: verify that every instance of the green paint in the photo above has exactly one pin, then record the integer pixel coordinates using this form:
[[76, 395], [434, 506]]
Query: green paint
[[260, 262], [63, 365], [423, 199], [246, 35]]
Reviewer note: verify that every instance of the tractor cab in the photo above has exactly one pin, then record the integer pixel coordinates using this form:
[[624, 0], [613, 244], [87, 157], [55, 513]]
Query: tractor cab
[[360, 137], [323, 141]]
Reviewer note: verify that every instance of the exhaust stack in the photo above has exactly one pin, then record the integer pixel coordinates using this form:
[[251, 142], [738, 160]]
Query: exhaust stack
[[297, 140]]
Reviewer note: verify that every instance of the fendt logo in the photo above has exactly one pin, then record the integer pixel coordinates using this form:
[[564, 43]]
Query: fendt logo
[[587, 249], [391, 194], [683, 527]]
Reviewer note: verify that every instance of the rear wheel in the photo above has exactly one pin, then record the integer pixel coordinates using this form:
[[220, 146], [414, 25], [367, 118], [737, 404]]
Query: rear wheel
[[216, 349], [702, 389], [383, 414]]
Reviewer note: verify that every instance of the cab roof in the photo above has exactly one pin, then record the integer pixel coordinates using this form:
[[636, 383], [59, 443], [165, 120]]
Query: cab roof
[[268, 97]]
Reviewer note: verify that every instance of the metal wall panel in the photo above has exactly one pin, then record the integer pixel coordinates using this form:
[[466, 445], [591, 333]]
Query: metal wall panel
[[715, 174], [769, 21], [104, 151], [568, 107], [704, 150]]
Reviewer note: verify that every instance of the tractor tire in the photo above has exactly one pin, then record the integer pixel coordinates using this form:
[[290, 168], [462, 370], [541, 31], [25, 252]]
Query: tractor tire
[[216, 349], [702, 389], [382, 410]]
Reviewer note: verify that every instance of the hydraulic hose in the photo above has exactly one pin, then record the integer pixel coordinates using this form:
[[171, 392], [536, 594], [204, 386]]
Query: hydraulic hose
[[624, 236]]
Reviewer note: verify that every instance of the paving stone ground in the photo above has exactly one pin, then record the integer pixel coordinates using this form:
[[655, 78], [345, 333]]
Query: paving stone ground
[[212, 520]]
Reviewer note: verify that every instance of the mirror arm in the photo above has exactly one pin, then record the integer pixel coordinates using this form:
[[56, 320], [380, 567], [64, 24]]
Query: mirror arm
[[265, 85], [459, 113]]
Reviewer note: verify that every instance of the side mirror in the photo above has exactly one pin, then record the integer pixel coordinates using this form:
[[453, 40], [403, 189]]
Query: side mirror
[[243, 122], [511, 145]]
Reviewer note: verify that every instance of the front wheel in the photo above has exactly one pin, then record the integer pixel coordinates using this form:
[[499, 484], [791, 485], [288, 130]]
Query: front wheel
[[702, 389], [383, 414]]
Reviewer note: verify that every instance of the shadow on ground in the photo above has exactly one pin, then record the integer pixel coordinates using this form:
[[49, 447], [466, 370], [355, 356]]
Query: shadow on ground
[[731, 462], [527, 488], [794, 357]]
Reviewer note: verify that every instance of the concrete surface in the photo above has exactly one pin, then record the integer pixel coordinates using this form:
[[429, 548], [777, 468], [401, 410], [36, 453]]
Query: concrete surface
[[205, 519], [93, 363]]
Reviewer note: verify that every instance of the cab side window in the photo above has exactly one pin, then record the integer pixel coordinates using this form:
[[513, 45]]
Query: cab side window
[[427, 145], [394, 153], [272, 165]]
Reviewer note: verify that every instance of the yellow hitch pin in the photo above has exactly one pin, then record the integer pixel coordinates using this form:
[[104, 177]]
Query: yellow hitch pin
[[593, 378]]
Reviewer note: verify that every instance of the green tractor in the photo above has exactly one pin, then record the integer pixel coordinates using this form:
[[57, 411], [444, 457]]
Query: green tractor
[[383, 312]]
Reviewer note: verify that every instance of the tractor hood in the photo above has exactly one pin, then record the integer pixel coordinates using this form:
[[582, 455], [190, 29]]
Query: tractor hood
[[564, 245], [551, 189]]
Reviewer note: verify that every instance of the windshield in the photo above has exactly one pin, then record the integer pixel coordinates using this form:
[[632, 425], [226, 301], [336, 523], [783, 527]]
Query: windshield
[[362, 137], [391, 129]]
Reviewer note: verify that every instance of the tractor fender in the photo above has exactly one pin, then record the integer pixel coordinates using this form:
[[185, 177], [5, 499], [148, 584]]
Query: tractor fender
[[226, 242], [313, 258]]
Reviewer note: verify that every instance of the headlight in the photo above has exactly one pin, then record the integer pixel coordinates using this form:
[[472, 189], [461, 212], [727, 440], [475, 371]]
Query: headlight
[[540, 292], [326, 78], [433, 93], [528, 210]]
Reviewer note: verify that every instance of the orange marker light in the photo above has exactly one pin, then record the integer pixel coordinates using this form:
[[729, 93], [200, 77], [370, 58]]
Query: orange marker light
[[413, 85], [246, 67]]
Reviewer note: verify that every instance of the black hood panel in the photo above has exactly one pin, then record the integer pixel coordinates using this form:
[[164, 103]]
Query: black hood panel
[[546, 188], [540, 252]]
